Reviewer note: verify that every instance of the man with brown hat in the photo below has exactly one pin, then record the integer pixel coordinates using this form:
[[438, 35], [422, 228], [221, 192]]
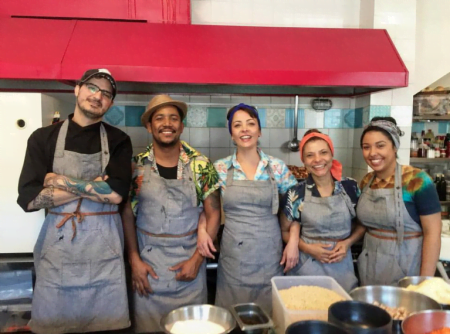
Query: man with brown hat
[[79, 170], [173, 184]]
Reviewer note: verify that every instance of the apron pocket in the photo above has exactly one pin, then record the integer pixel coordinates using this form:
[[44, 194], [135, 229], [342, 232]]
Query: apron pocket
[[174, 206], [76, 274], [253, 273], [387, 269], [363, 266], [108, 271]]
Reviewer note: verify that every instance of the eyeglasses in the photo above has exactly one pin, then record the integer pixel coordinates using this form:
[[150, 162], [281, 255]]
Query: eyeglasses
[[94, 89]]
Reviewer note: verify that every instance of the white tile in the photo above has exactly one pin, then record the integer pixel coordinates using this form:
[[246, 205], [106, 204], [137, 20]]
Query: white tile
[[216, 153], [279, 153], [357, 138], [402, 96], [349, 162], [358, 159], [221, 12], [240, 99], [225, 99], [341, 103], [201, 11], [280, 100], [204, 151], [402, 114], [278, 138], [340, 154], [138, 150], [304, 101], [294, 159], [200, 99], [362, 101], [185, 135], [199, 137], [241, 12], [138, 135], [403, 156], [324, 131], [219, 137], [383, 98], [264, 140], [347, 171], [350, 135], [405, 140], [258, 101], [283, 17], [300, 133], [339, 137], [359, 173], [313, 119], [180, 97]]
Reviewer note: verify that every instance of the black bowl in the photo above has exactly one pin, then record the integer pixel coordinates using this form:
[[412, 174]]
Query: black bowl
[[314, 327], [360, 318]]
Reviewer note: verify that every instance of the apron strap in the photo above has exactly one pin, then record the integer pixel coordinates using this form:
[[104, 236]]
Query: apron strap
[[348, 202], [61, 141], [398, 202]]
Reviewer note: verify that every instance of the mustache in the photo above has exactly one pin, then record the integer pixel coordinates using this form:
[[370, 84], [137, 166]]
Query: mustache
[[167, 129]]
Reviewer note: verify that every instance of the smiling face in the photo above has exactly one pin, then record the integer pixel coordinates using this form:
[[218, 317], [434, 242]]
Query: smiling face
[[317, 157], [94, 105], [245, 130], [379, 153], [166, 126]]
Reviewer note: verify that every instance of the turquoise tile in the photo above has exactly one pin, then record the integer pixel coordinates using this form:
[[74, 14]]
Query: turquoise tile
[[333, 119], [365, 116], [115, 116], [133, 115], [380, 111], [418, 127], [262, 113], [289, 119], [217, 117], [358, 118], [443, 128]]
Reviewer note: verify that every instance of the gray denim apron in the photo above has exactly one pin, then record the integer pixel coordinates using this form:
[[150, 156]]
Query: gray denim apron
[[167, 207], [393, 242], [251, 246], [80, 276], [327, 220]]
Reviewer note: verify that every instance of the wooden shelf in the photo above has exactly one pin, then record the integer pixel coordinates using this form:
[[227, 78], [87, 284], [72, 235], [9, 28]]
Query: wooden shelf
[[445, 202], [425, 118], [428, 160]]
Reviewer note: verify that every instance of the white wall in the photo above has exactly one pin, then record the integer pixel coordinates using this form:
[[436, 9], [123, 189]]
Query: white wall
[[18, 230], [432, 41]]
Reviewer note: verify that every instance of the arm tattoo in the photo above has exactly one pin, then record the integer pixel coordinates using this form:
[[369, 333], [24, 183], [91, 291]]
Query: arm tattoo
[[81, 187], [215, 200], [44, 199]]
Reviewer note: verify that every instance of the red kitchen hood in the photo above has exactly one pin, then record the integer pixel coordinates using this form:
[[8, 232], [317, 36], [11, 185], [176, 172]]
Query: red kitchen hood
[[50, 54]]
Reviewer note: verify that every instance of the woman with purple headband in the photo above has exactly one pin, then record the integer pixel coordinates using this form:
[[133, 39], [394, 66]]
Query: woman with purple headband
[[400, 208], [251, 248]]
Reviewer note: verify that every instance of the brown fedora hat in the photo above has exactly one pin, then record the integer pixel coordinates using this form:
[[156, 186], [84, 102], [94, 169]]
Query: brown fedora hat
[[160, 101]]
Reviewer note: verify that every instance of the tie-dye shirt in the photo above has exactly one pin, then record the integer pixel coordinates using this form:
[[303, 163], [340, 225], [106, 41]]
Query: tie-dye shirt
[[205, 175], [283, 176], [419, 193]]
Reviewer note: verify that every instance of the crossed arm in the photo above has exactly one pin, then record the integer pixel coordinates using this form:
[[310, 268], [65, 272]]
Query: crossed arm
[[60, 189]]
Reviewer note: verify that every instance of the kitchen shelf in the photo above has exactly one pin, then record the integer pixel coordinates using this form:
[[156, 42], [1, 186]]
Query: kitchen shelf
[[444, 202], [425, 118], [428, 160]]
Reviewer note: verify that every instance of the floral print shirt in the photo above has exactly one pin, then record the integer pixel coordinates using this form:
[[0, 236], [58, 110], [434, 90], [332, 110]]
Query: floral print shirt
[[283, 176], [205, 176]]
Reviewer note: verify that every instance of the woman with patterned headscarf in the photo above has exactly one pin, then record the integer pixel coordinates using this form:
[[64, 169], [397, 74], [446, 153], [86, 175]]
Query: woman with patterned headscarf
[[400, 208]]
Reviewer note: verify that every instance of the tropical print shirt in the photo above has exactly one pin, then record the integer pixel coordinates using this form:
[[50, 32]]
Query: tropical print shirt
[[205, 175], [283, 176], [418, 191], [293, 203]]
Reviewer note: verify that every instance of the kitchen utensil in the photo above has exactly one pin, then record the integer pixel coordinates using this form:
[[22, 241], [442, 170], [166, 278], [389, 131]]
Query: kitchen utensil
[[293, 145], [414, 280], [426, 321], [203, 312], [314, 327], [392, 296], [251, 318], [360, 318]]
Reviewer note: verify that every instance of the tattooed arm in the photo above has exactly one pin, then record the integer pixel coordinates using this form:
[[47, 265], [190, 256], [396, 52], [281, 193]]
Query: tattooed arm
[[50, 197], [97, 191]]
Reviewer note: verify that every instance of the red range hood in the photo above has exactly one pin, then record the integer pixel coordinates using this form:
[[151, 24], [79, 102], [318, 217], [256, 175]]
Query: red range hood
[[50, 54]]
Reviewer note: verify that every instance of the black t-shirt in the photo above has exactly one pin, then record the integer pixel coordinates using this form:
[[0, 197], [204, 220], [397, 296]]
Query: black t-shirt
[[41, 148], [168, 173]]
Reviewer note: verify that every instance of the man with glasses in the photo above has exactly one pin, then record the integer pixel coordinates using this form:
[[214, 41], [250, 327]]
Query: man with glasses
[[79, 170]]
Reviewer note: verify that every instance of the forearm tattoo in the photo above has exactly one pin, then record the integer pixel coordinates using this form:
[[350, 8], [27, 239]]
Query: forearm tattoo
[[97, 189], [44, 199]]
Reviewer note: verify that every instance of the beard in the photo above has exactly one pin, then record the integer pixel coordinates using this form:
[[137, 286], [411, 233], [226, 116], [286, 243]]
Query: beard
[[90, 114], [170, 144]]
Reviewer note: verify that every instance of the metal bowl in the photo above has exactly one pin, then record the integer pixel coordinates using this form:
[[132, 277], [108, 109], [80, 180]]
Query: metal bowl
[[395, 297], [360, 318], [314, 327], [426, 322], [204, 312], [414, 280]]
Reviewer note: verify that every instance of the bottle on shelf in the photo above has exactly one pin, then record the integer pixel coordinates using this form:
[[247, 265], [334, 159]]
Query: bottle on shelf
[[56, 117], [442, 188], [422, 150]]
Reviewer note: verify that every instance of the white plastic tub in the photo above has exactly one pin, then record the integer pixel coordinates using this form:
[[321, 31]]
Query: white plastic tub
[[282, 317]]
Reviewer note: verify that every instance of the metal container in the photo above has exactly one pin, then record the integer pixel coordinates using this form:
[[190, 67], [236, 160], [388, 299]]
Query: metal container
[[395, 297], [314, 327], [414, 280], [426, 322], [360, 318], [251, 318], [204, 312]]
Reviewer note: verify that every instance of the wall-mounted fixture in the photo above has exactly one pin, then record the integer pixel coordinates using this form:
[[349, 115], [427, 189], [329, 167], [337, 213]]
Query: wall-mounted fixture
[[321, 104]]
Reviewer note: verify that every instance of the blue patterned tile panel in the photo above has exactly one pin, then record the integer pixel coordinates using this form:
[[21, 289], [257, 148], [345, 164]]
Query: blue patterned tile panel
[[333, 119], [115, 116], [197, 117], [289, 119], [380, 111], [276, 118], [217, 117], [133, 115]]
